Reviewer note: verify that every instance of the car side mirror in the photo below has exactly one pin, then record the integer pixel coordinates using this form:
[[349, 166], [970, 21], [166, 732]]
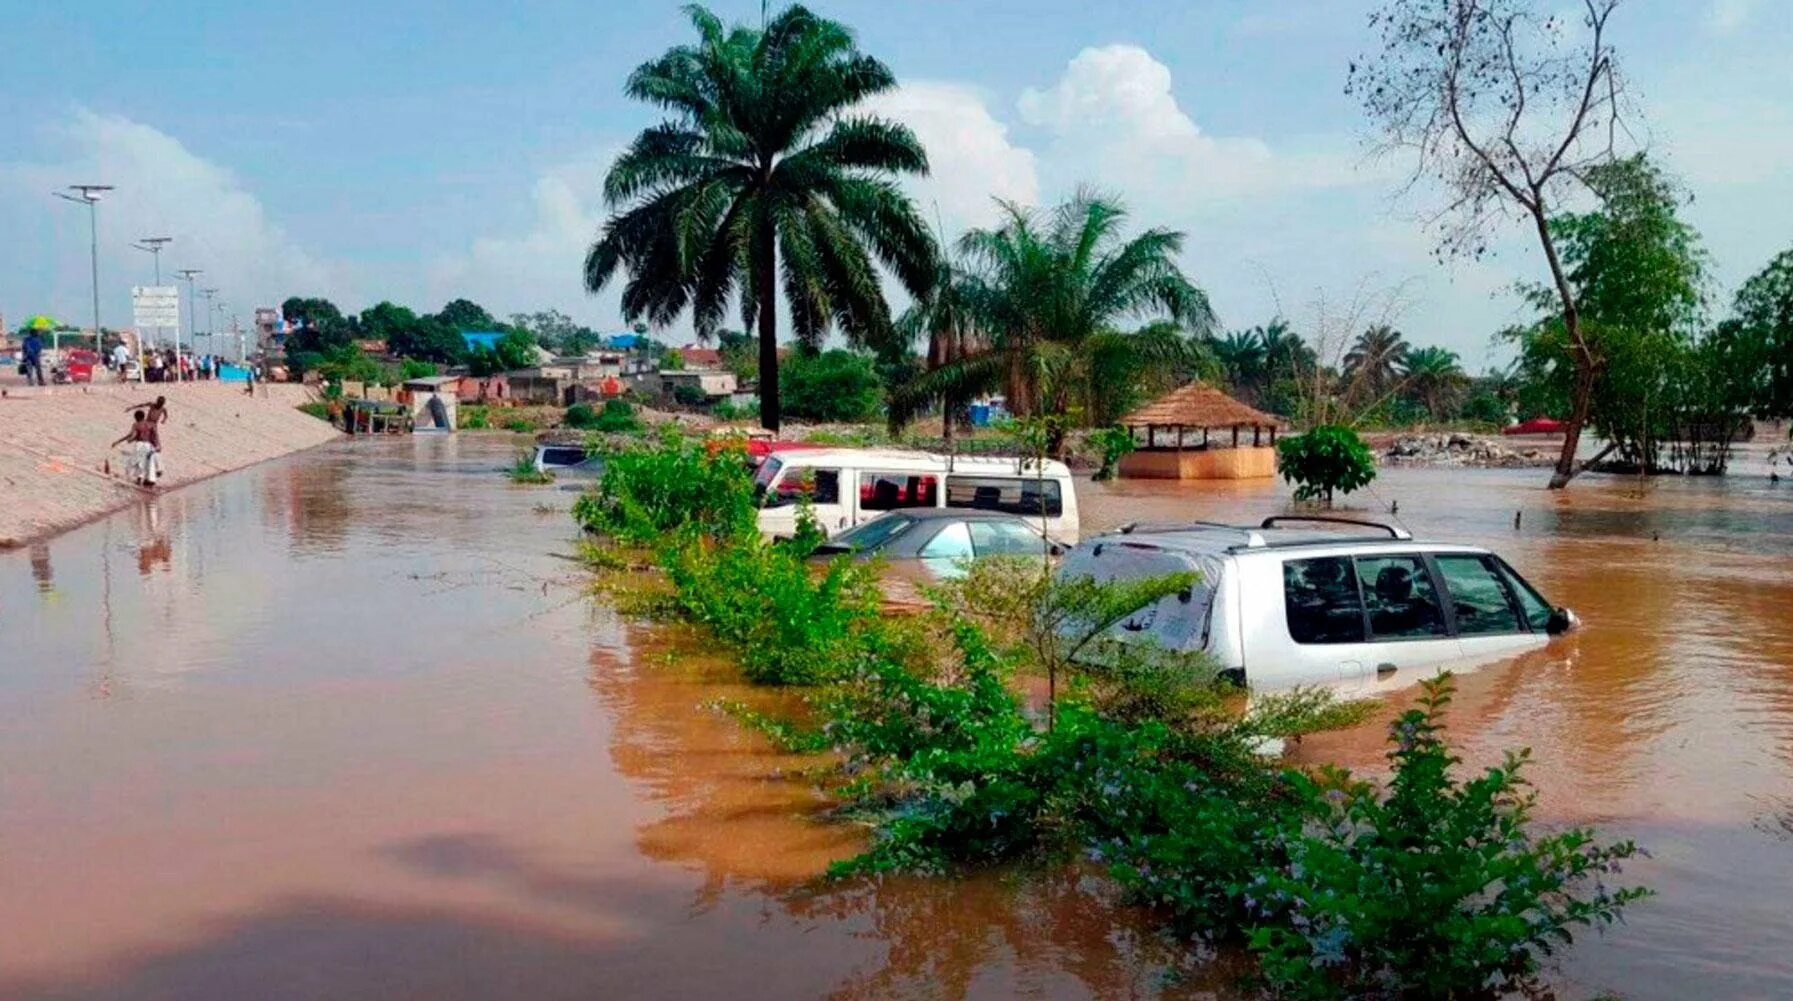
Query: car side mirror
[[1561, 621]]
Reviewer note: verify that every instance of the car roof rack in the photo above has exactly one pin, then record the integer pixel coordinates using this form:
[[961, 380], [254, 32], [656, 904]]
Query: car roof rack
[[1133, 526], [1393, 531]]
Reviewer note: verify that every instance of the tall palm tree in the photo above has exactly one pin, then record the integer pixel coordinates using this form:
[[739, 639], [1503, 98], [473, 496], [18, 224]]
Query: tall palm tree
[[1434, 376], [1049, 293], [1286, 355], [762, 176], [942, 316], [1374, 361], [1241, 356]]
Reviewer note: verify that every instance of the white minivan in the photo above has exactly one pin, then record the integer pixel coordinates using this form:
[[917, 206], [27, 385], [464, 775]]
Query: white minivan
[[846, 486], [1277, 607]]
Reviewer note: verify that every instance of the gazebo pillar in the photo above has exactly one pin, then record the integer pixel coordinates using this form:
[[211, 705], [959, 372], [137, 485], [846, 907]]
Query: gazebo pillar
[[1204, 437], [1257, 435], [1179, 439], [1235, 436]]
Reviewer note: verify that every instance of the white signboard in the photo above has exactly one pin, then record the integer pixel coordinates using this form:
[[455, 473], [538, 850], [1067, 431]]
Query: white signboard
[[156, 305]]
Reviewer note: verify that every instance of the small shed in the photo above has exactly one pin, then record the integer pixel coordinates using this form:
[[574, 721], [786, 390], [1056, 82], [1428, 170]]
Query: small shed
[[433, 402], [1197, 432]]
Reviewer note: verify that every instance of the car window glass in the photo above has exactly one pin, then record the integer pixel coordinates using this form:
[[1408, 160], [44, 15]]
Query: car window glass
[[1398, 594], [875, 533], [1320, 596], [953, 542], [1005, 538], [891, 491], [1478, 596], [1008, 494], [1537, 610]]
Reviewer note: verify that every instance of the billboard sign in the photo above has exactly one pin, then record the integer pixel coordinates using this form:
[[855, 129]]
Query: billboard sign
[[156, 305]]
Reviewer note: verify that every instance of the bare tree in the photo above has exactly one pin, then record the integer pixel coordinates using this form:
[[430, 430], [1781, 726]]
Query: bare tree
[[1507, 109]]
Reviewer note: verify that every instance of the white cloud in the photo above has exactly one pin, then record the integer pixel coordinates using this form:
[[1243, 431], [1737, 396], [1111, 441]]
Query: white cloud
[[1726, 16], [539, 266], [971, 159], [163, 189], [1113, 118]]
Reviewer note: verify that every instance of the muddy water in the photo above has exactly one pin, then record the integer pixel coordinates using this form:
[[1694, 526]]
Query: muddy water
[[348, 725]]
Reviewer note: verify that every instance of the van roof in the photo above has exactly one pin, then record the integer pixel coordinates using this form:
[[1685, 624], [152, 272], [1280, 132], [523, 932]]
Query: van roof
[[911, 459]]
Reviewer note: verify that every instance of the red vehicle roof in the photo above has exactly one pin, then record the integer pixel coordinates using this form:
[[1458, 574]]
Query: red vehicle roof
[[1537, 425]]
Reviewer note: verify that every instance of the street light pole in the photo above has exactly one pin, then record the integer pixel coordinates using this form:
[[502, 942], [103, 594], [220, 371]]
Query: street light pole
[[153, 246], [210, 307], [89, 195], [192, 328]]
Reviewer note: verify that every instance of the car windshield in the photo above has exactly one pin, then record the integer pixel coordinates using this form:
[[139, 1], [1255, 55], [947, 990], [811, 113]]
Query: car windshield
[[872, 535]]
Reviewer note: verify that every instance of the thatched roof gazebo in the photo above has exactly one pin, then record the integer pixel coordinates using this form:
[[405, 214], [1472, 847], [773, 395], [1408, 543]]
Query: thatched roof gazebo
[[1200, 406]]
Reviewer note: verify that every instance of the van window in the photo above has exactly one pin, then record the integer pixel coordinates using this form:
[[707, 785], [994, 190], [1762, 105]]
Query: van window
[[820, 486], [1478, 595], [1010, 494], [893, 491], [1398, 593], [1537, 610], [1321, 598], [562, 456]]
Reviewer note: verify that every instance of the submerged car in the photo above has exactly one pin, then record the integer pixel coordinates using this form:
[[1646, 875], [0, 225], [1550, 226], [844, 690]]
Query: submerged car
[[551, 457], [939, 542], [1278, 606]]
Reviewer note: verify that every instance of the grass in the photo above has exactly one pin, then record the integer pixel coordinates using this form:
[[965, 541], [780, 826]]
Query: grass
[[523, 470]]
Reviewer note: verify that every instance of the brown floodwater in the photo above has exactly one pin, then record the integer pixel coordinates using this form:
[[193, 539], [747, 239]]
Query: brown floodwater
[[351, 725]]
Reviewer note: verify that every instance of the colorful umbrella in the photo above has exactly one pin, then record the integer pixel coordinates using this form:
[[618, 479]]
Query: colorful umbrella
[[41, 322]]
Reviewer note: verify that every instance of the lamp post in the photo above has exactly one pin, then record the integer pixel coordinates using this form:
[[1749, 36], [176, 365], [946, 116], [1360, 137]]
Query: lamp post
[[210, 306], [151, 245], [89, 195], [192, 328]]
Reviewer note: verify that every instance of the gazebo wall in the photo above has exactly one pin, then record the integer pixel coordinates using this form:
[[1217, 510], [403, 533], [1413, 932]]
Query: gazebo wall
[[1243, 463]]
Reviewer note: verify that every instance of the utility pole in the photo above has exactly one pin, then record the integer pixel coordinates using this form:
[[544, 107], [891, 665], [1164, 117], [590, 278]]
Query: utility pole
[[192, 326], [151, 245], [210, 306], [89, 195]]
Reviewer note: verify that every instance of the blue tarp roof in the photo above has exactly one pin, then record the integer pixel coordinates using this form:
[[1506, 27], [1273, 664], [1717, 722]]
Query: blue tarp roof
[[623, 342], [487, 339]]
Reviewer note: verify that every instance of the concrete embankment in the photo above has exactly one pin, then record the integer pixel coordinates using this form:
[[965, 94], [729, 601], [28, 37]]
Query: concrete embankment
[[59, 469]]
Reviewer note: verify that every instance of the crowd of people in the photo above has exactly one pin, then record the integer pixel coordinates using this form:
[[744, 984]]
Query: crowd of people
[[167, 365]]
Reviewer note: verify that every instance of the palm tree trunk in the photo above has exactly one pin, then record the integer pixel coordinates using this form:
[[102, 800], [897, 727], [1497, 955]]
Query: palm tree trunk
[[765, 263]]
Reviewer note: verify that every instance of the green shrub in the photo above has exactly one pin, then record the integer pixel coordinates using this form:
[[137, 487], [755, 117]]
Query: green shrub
[[519, 424], [317, 409], [1111, 444], [670, 483], [787, 625], [523, 469], [474, 418], [835, 385], [617, 417], [581, 416], [1437, 888], [1326, 459], [689, 395]]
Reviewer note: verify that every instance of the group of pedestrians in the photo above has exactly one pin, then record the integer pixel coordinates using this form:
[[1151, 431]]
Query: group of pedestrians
[[145, 440], [168, 365]]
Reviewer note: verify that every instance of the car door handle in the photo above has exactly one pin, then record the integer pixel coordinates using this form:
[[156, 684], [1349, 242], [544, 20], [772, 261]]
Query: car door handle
[[1383, 670]]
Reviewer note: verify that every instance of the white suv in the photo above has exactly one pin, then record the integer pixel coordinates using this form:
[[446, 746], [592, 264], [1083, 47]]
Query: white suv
[[1278, 607]]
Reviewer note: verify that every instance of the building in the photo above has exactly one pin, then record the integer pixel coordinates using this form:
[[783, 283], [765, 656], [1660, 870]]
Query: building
[[697, 356], [1169, 450], [715, 385]]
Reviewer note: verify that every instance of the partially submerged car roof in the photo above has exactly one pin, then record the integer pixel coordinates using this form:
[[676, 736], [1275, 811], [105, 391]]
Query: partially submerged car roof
[[1272, 533]]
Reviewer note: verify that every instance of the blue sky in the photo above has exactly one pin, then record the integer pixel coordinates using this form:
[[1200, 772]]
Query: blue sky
[[368, 150]]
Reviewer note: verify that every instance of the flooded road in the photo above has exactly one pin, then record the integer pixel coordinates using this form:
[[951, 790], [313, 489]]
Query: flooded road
[[348, 725]]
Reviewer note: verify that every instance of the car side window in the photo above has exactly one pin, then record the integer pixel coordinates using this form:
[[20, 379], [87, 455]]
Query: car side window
[[1005, 538], [1322, 601], [820, 486], [1537, 610], [1478, 596], [953, 542], [1398, 594]]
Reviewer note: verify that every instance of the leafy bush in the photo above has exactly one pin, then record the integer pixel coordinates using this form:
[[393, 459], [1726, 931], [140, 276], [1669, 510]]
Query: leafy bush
[[519, 424], [668, 483], [581, 416], [787, 625], [1111, 444], [728, 411], [317, 409], [617, 417], [1326, 459], [1437, 889], [417, 368], [523, 469], [474, 418], [835, 385]]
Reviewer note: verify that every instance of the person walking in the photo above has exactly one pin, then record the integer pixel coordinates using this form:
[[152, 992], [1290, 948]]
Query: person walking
[[121, 359], [144, 465], [31, 361]]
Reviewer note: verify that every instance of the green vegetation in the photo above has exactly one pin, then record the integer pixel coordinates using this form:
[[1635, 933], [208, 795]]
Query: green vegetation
[[764, 165], [832, 385], [523, 469], [318, 409], [1325, 460], [1111, 443], [474, 417], [617, 417], [1430, 885]]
